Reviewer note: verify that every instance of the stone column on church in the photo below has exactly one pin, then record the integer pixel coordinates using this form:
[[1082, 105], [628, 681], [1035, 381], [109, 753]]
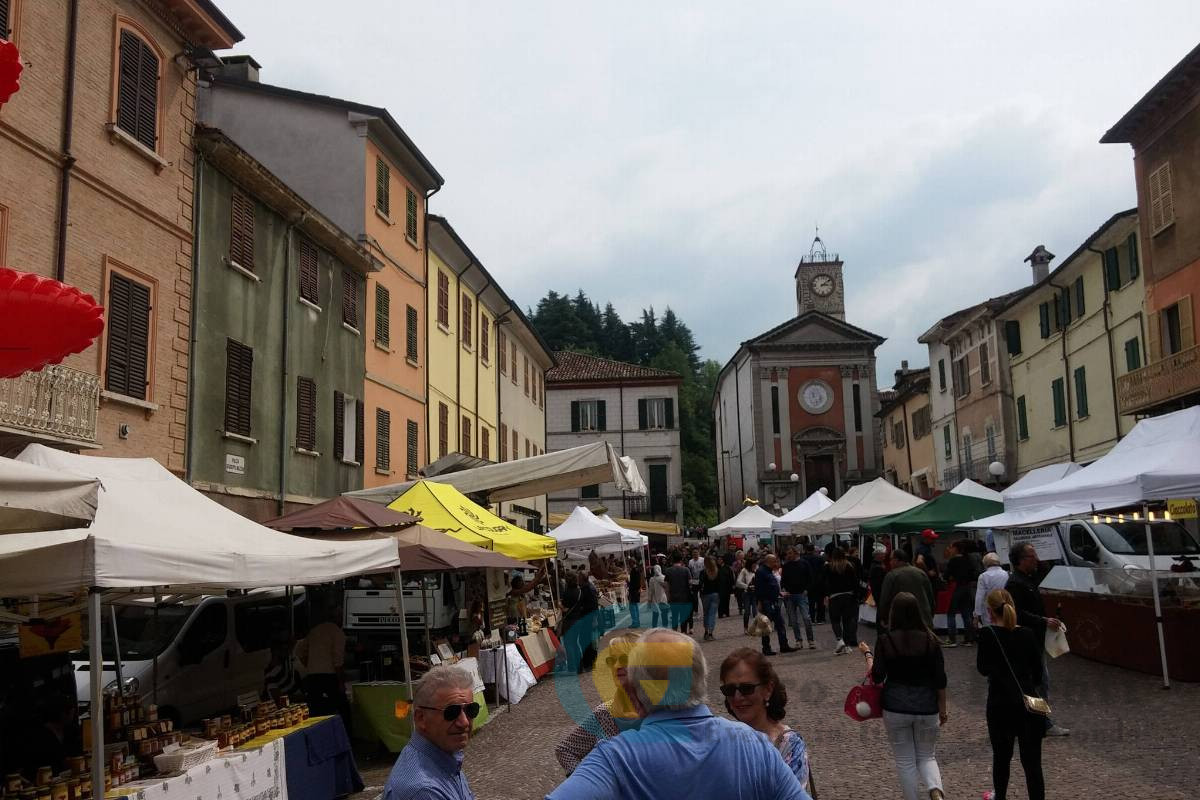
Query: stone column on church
[[848, 418]]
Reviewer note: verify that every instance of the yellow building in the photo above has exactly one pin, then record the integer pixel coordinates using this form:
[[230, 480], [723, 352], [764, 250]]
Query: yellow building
[[1069, 338], [907, 437]]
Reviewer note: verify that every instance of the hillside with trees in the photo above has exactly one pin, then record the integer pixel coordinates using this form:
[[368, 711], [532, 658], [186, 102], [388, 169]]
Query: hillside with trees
[[576, 323]]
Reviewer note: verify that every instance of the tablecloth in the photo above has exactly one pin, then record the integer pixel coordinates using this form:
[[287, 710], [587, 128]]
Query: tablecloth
[[519, 678], [540, 650], [375, 713], [320, 764], [255, 774]]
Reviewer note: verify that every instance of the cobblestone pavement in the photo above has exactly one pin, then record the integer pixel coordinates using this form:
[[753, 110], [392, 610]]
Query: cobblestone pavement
[[1129, 738]]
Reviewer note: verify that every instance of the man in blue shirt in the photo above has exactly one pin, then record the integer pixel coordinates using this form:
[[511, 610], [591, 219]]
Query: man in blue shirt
[[766, 596], [430, 765], [681, 749]]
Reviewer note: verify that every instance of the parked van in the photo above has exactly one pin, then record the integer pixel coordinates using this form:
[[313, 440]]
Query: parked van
[[209, 649], [1114, 544]]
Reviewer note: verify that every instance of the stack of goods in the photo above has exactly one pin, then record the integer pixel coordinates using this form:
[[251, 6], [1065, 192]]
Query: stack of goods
[[256, 721], [133, 736], [74, 784]]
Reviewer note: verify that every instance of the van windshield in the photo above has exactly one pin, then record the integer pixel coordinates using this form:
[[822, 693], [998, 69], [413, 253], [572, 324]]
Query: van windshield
[[143, 635], [1129, 538]]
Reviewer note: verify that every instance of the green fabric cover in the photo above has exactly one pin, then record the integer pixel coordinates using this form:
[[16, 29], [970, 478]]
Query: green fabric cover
[[942, 513]]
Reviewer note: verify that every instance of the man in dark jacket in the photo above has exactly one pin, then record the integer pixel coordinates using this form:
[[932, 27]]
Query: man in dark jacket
[[877, 572], [635, 594], [679, 594], [904, 577], [1031, 612], [766, 597], [816, 590], [796, 582]]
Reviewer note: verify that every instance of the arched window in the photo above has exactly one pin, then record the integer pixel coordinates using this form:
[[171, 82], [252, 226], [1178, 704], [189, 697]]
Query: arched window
[[139, 66]]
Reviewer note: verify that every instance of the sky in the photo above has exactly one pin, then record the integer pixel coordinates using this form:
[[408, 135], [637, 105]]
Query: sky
[[682, 154]]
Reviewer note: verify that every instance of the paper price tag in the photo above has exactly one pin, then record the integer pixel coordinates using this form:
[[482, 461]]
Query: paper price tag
[[402, 709]]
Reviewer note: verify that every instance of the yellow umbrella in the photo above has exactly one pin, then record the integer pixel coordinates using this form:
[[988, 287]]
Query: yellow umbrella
[[448, 510]]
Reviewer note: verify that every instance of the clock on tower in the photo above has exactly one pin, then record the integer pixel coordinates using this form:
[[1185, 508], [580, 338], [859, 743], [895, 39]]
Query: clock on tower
[[819, 282]]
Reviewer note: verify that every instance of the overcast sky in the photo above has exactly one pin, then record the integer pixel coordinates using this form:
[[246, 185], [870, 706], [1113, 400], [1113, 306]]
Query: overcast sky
[[662, 153]]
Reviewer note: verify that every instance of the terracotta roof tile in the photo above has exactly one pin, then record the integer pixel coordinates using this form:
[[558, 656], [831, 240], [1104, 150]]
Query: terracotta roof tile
[[574, 367]]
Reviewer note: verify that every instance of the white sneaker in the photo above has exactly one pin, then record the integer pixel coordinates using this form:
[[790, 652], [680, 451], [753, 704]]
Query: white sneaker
[[1058, 730], [841, 648]]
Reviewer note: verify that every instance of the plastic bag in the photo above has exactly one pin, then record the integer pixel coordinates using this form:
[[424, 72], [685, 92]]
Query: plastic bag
[[1056, 642]]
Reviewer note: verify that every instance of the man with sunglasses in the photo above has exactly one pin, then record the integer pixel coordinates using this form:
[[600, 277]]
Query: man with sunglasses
[[430, 765]]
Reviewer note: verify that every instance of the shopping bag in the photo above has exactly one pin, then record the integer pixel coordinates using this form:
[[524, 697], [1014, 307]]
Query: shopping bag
[[761, 626], [864, 700], [1056, 642]]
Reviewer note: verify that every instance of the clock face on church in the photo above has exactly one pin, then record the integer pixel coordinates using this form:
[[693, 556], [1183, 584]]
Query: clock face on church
[[816, 397], [822, 285]]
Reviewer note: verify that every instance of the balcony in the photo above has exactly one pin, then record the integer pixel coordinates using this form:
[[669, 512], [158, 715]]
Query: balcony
[[653, 508], [1170, 378], [976, 470], [57, 404]]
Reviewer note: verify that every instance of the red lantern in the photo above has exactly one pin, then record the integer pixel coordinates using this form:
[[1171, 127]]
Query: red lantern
[[10, 70], [42, 322]]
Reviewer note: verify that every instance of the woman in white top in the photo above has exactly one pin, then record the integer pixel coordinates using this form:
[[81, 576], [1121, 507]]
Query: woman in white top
[[744, 579], [658, 598], [993, 577]]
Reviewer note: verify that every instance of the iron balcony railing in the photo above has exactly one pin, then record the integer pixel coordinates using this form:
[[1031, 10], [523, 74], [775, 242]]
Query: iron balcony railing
[[57, 403]]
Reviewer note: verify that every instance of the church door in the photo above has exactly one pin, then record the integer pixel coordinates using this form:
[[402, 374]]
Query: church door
[[819, 471]]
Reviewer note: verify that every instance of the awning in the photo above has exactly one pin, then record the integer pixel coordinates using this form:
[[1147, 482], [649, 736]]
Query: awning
[[33, 498], [423, 549], [942, 513], [341, 513], [815, 503], [531, 477], [582, 529], [751, 519], [642, 525]]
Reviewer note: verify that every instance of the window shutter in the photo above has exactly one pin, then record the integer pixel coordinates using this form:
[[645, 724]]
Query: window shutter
[[383, 439], [443, 299], [1044, 320], [1162, 204], [306, 414], [1154, 337], [241, 231], [137, 90], [1112, 269], [1063, 308], [946, 446], [942, 374], [116, 367], [485, 335], [383, 195], [1187, 335], [515, 455], [1022, 419], [501, 350], [239, 373], [485, 444], [410, 221], [349, 299], [410, 333], [1080, 309], [1081, 403], [1131, 255], [670, 404], [464, 445], [5, 30], [601, 424], [360, 434], [1012, 332], [513, 370], [465, 326], [411, 443], [503, 443], [309, 281], [643, 415], [1060, 402], [574, 416], [339, 425], [1133, 355], [443, 429], [383, 309], [985, 367]]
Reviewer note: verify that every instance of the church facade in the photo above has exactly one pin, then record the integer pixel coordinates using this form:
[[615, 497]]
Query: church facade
[[794, 409]]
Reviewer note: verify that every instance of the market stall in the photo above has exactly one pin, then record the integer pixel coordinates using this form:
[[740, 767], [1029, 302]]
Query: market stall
[[861, 503], [815, 503], [34, 498], [943, 513], [753, 523]]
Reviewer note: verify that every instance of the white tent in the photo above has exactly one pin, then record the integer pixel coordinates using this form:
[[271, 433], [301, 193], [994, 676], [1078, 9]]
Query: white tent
[[33, 498], [751, 519], [859, 504], [582, 530], [813, 504], [630, 540], [969, 488], [1022, 519], [1042, 476]]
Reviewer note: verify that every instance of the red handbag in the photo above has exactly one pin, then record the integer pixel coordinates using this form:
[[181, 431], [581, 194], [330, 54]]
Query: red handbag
[[866, 696]]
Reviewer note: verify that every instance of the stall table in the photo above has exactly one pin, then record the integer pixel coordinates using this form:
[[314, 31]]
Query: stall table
[[235, 775], [540, 650], [320, 764]]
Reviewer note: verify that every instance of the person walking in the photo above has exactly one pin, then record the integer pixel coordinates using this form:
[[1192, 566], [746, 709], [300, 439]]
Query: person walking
[[877, 572], [1031, 613], [904, 577], [635, 594], [755, 695], [745, 577], [725, 581], [816, 592], [795, 582], [994, 577], [841, 583], [679, 594], [766, 597], [659, 610], [710, 596], [1011, 658], [695, 567], [961, 570], [908, 662]]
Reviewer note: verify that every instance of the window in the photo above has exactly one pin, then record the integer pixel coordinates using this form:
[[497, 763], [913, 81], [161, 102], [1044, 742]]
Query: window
[[465, 327], [503, 443], [898, 435], [515, 454], [241, 231], [1044, 320], [1081, 403], [410, 333], [962, 376], [541, 378], [485, 334], [1172, 330], [485, 444], [590, 492], [1162, 206], [126, 364], [443, 300], [137, 89], [6, 19], [348, 439], [588, 415], [527, 451], [349, 299], [383, 440], [656, 413], [513, 351], [383, 310], [239, 374], [1079, 304], [309, 281], [1022, 419], [921, 422], [443, 429], [941, 374], [256, 624], [306, 414], [946, 442], [411, 464], [985, 364], [525, 363], [1012, 334], [410, 219], [383, 187], [775, 410], [501, 344], [966, 450], [1133, 355], [464, 442], [1112, 269], [1131, 255], [1058, 395], [856, 395], [990, 434]]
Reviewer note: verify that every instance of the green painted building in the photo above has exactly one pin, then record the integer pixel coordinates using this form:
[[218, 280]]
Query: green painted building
[[275, 415]]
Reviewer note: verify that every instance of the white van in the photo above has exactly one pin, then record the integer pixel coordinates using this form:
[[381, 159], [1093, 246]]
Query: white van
[[210, 650], [1115, 543]]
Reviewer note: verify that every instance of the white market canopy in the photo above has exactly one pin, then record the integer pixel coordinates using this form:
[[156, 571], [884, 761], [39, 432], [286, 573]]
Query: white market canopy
[[861, 503], [969, 488], [751, 519], [630, 540], [813, 504], [34, 498], [529, 477], [583, 530], [1042, 476], [152, 529]]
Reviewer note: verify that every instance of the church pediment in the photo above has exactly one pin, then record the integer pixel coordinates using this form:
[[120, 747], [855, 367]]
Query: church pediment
[[816, 330]]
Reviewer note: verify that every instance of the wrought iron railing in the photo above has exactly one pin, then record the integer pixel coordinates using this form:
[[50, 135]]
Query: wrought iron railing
[[648, 505], [57, 402]]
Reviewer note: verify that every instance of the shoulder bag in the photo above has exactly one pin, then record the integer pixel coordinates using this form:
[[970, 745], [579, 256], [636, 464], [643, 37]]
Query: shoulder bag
[[867, 697], [1033, 703]]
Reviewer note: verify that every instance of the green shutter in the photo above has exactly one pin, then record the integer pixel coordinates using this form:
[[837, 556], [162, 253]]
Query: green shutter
[[1064, 308], [601, 423], [574, 417], [1060, 402], [1112, 269], [946, 440], [1079, 306], [1022, 419], [942, 374], [643, 416], [383, 188], [1012, 332], [1044, 320], [1132, 255], [670, 406], [1081, 394], [1133, 354]]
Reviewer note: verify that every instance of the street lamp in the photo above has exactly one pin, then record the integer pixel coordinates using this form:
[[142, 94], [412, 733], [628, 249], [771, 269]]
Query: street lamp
[[996, 469]]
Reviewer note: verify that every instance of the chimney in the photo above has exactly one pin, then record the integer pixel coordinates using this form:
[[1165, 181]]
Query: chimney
[[241, 68], [904, 366], [1040, 260]]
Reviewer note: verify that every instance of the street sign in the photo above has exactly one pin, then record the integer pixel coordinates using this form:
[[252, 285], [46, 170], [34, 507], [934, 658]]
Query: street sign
[[1182, 509], [235, 465]]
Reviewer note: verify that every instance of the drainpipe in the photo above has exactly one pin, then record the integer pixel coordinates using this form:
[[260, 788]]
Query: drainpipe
[[191, 383], [1066, 370], [68, 160], [1112, 366], [428, 327]]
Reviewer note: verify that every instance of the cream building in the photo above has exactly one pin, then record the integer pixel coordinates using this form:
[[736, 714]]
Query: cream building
[[907, 435], [1068, 339]]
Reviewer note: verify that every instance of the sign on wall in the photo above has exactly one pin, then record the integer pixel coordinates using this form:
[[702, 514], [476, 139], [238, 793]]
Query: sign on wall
[[235, 465]]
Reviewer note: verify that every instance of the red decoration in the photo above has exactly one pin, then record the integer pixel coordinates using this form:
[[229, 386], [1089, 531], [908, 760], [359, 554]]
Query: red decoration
[[42, 322], [10, 70]]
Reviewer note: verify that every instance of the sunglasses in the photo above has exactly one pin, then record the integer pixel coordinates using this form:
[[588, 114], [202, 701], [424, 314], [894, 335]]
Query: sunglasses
[[747, 689], [451, 712], [617, 661]]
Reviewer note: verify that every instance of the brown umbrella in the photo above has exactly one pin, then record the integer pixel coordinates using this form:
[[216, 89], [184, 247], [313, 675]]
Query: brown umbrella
[[423, 549], [342, 513]]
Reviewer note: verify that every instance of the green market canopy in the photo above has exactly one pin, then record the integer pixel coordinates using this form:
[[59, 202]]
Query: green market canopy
[[942, 513]]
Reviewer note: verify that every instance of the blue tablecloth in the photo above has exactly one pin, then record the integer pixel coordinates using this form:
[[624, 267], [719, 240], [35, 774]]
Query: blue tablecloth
[[319, 762]]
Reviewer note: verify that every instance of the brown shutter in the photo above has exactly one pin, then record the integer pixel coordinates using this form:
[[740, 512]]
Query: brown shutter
[[485, 444], [360, 433], [137, 90], [339, 424], [485, 335], [443, 299], [309, 281], [383, 194], [349, 299], [5, 28], [383, 308], [383, 440], [410, 334], [306, 414], [241, 231], [501, 345], [503, 443], [127, 355], [464, 444], [1154, 337], [239, 375], [443, 429], [412, 448], [1187, 330], [410, 222], [466, 320]]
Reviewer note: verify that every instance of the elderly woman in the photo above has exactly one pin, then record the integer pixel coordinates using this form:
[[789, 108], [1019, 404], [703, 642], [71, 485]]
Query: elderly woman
[[611, 716]]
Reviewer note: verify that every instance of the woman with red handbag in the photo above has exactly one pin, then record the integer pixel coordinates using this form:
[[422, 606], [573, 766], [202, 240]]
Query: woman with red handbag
[[909, 664]]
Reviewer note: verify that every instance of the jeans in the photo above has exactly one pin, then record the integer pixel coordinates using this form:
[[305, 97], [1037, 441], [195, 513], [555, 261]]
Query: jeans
[[711, 601], [681, 614], [962, 603], [747, 608], [797, 610], [843, 616], [660, 614], [775, 614], [913, 738], [1004, 727], [635, 612], [723, 605]]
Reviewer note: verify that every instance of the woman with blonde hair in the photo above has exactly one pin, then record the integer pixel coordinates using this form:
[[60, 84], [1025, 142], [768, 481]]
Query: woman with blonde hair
[[710, 596], [612, 716], [1011, 658]]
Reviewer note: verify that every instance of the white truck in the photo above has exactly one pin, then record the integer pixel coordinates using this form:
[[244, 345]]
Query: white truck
[[437, 596], [1104, 541]]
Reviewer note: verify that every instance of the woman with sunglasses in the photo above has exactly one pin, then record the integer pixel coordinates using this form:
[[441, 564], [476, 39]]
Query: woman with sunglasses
[[611, 716], [755, 695]]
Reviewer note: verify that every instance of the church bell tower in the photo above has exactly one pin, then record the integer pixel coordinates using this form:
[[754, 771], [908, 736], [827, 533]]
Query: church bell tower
[[819, 282]]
